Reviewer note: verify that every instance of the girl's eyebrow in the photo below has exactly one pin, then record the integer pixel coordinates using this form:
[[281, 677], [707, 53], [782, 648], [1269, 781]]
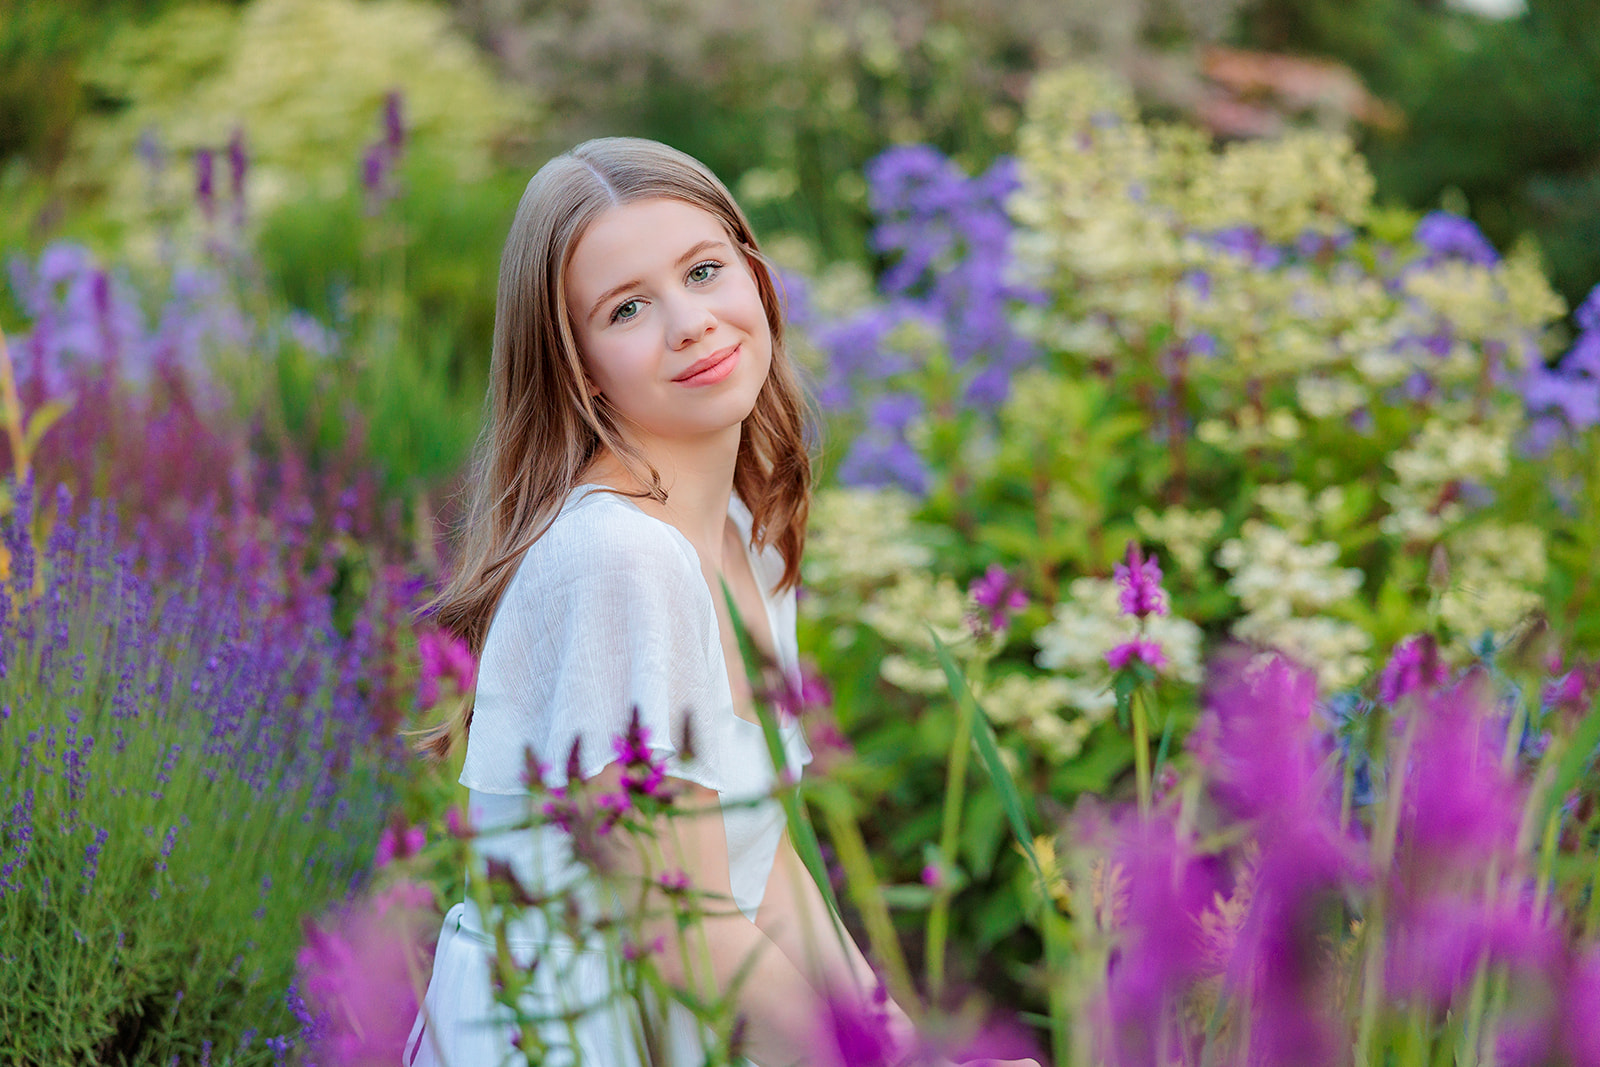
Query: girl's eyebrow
[[618, 290]]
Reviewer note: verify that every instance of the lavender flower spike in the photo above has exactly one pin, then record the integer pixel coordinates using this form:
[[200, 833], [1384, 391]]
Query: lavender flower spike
[[1140, 578], [205, 189]]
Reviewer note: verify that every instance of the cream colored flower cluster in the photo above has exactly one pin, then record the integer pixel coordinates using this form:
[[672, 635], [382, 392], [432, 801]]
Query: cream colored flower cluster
[[857, 540], [1286, 583], [1303, 182], [903, 613], [1494, 569], [1429, 471], [1186, 535], [1128, 224]]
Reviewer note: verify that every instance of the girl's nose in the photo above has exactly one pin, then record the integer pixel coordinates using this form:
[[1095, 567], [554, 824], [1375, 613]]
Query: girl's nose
[[689, 320]]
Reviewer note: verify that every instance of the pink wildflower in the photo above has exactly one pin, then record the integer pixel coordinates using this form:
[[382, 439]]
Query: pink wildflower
[[1000, 596], [398, 841], [444, 658], [811, 694], [633, 952], [1142, 649], [1460, 806], [356, 971], [643, 774], [1140, 578], [1414, 667]]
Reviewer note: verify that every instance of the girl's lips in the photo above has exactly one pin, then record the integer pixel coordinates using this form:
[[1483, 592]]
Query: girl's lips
[[715, 372]]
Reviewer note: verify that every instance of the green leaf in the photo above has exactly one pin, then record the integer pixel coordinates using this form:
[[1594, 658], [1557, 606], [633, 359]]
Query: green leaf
[[989, 751], [1123, 686], [982, 828], [1580, 748]]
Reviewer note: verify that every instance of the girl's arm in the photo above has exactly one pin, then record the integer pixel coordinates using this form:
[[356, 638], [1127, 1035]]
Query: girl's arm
[[796, 917], [781, 1008]]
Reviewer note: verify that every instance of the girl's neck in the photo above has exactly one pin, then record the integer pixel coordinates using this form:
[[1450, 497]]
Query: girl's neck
[[698, 478]]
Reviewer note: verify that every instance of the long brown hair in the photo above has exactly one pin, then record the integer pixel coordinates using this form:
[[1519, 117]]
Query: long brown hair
[[543, 426]]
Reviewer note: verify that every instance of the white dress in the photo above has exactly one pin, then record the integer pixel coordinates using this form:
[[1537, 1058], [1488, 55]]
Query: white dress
[[607, 610]]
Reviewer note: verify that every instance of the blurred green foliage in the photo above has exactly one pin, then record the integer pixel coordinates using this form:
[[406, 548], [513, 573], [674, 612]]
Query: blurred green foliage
[[1500, 113]]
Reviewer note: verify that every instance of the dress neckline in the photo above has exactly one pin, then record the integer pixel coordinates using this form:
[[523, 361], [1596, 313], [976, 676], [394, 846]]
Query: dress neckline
[[778, 645]]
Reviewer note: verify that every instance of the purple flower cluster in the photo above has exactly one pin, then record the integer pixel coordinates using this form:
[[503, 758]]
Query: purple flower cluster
[[946, 238], [1449, 236], [1261, 915], [1565, 399], [383, 155], [644, 774], [157, 725], [1414, 667]]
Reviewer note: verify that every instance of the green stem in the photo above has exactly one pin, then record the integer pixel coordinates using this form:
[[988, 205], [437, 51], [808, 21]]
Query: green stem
[[1591, 919], [1141, 753], [864, 890], [1058, 955], [955, 789], [1383, 846]]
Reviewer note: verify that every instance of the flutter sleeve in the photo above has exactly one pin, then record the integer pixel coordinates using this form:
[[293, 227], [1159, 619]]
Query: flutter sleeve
[[607, 612]]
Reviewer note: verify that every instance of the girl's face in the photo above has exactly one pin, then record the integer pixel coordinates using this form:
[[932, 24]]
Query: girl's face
[[668, 319]]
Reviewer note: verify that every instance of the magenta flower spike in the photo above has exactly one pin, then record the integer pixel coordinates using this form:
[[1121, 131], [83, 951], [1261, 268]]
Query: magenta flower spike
[[1140, 578], [1460, 805], [1414, 667], [356, 974], [398, 842], [1000, 596], [1258, 737]]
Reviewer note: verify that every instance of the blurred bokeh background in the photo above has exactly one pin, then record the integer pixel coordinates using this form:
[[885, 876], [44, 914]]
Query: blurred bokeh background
[[1485, 107], [1302, 295]]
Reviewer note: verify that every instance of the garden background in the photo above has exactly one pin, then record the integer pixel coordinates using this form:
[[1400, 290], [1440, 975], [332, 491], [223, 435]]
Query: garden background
[[1298, 297]]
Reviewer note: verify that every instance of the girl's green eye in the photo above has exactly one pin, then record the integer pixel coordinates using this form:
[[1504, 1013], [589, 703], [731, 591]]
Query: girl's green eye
[[703, 272], [626, 310]]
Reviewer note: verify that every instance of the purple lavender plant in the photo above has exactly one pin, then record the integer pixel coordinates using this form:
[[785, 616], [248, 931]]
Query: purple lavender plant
[[157, 726]]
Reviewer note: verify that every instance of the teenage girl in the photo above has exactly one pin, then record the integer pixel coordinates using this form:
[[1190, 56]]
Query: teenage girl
[[644, 446]]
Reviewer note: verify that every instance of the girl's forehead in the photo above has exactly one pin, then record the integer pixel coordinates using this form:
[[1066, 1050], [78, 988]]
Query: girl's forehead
[[628, 243], [644, 229]]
